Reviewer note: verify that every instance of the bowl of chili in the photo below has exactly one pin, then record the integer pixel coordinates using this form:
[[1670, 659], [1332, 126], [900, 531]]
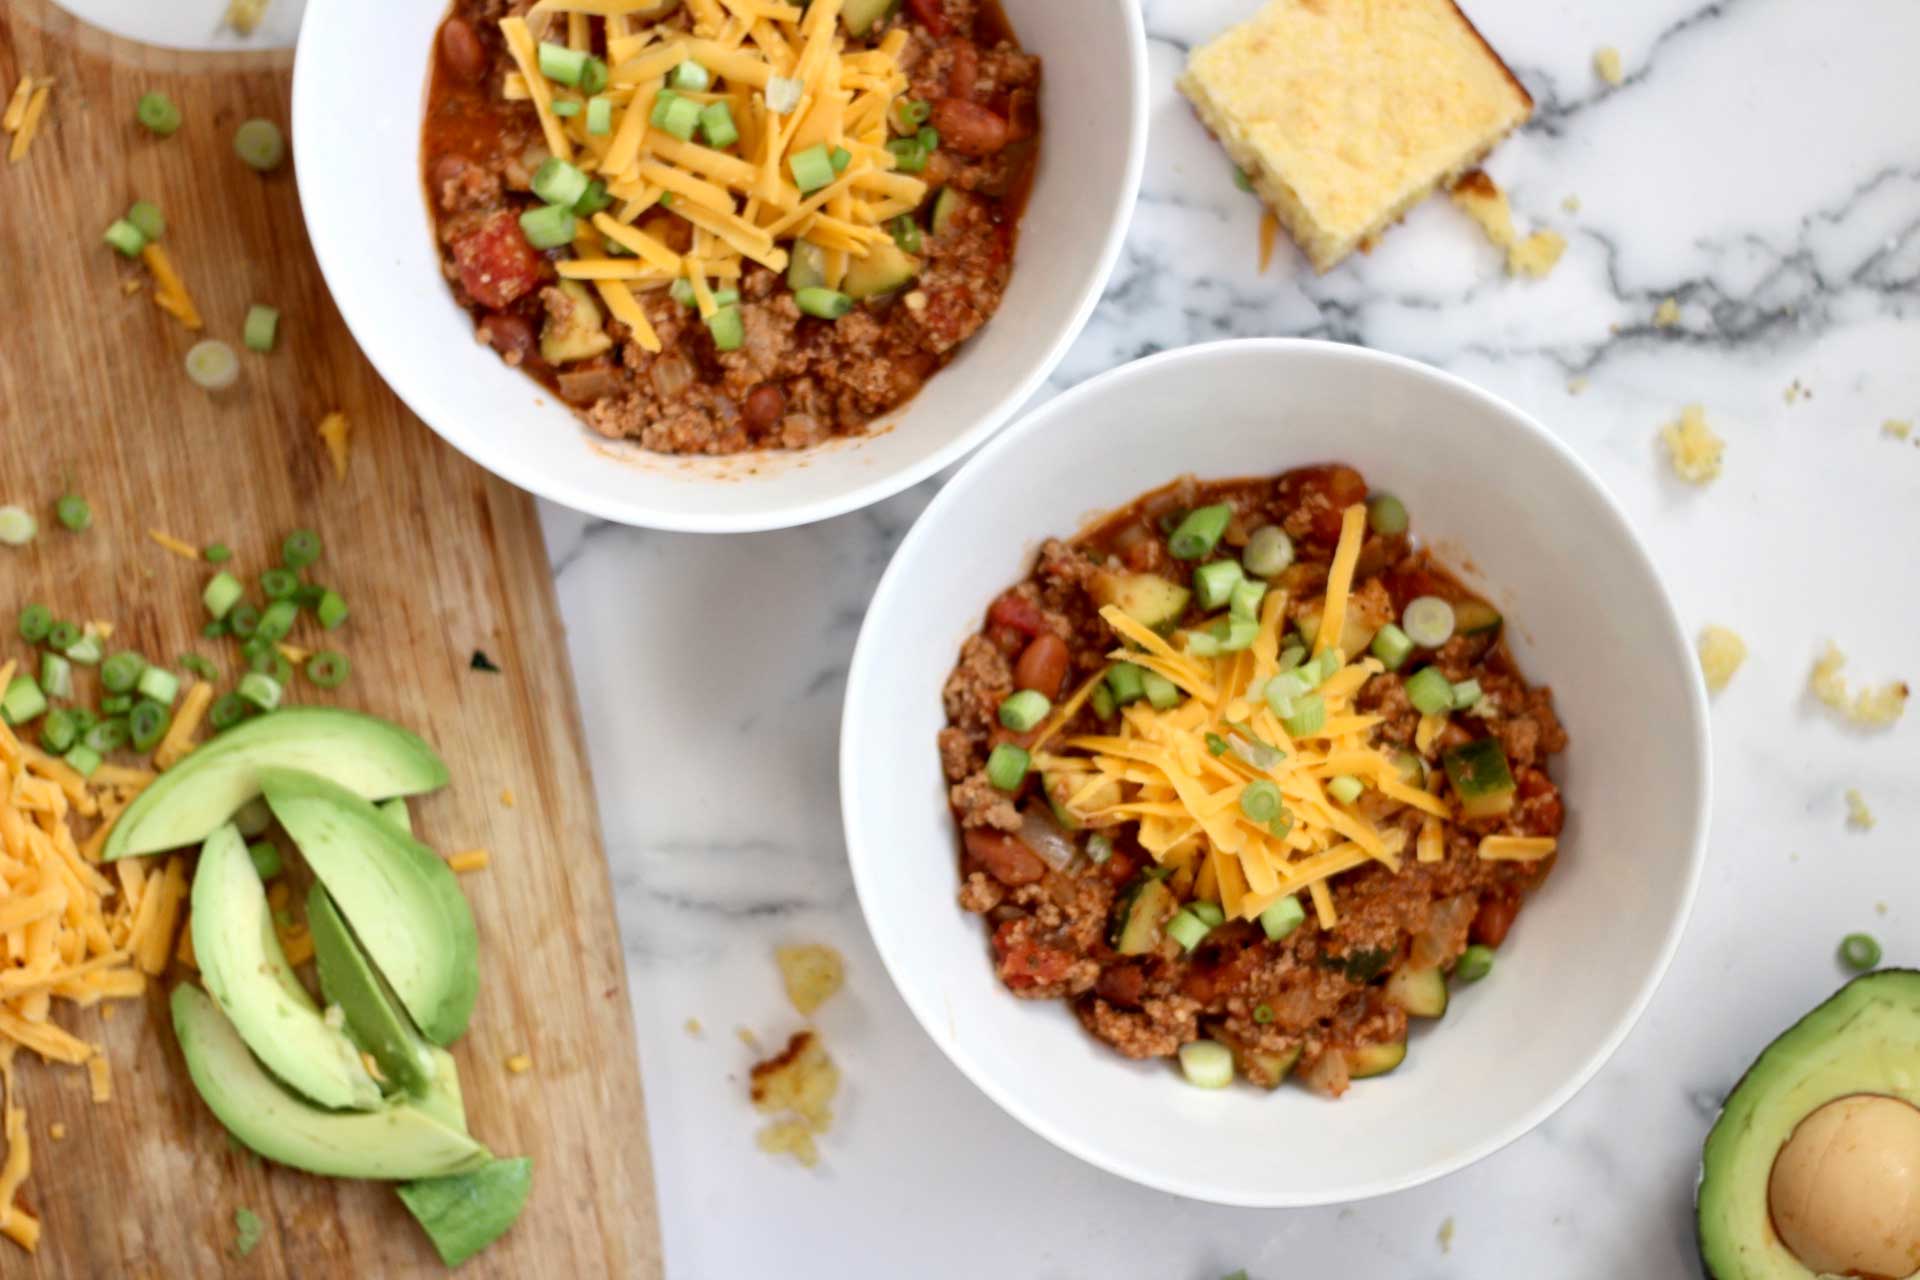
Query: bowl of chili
[[682, 275], [1066, 953]]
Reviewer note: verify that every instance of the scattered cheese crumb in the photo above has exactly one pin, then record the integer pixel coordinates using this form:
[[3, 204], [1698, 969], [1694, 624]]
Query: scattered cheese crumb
[[1869, 708], [1606, 64], [1695, 450], [130, 286], [1269, 234], [1537, 255], [1484, 202], [336, 431], [519, 1064], [506, 797], [1571, 204], [812, 973], [801, 1080], [1858, 815], [25, 124], [1577, 384], [294, 653], [469, 860], [174, 544], [100, 1077], [1446, 1236], [244, 15], [1721, 653], [1667, 314], [1796, 391], [791, 1138], [169, 290], [747, 1038], [57, 1131], [1898, 428], [692, 1026]]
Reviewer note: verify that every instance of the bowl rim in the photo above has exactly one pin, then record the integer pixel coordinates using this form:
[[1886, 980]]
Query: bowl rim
[[521, 467], [854, 714]]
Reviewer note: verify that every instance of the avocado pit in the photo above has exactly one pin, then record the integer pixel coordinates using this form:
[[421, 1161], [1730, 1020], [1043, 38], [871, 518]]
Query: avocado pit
[[1844, 1192]]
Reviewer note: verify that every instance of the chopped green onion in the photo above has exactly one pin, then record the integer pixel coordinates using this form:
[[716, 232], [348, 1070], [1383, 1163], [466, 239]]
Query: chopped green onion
[[277, 621], [1187, 929], [159, 684], [1229, 635], [198, 666], [266, 859], [783, 94], [1269, 551], [1386, 514], [812, 169], [1260, 800], [592, 201], [1241, 180], [223, 591], [1099, 849], [691, 76], [35, 621], [300, 549], [827, 304], [1475, 963], [146, 724], [1309, 713], [261, 328], [212, 365], [905, 232], [559, 63], [928, 138], [565, 108], [840, 158], [22, 700], [228, 710], [329, 668], [1102, 700], [1244, 602], [1430, 692], [56, 676], [1249, 749], [116, 704], [1466, 694], [145, 215], [1392, 646], [558, 182], [1007, 766], [681, 291], [73, 512], [679, 116], [217, 553], [62, 635], [108, 735], [243, 619], [1127, 682], [1216, 745], [1162, 693], [1262, 1014], [279, 584], [1213, 582], [1207, 1064], [727, 329], [1344, 787], [1428, 621], [1282, 917], [125, 237], [82, 759], [57, 732], [908, 155], [1023, 710], [717, 126], [86, 650], [263, 691], [594, 76], [259, 144], [1859, 951], [908, 114], [548, 227], [17, 526], [1195, 536], [157, 114]]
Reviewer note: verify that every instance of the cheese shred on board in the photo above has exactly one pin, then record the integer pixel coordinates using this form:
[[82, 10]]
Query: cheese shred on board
[[780, 79], [68, 931], [1180, 772], [24, 112]]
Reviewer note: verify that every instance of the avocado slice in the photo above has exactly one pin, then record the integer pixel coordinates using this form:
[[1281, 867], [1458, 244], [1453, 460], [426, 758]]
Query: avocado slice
[[398, 1142], [396, 812], [886, 268], [1858, 1047], [465, 1213], [1147, 598], [247, 974], [443, 1100], [374, 1017], [364, 754], [402, 901]]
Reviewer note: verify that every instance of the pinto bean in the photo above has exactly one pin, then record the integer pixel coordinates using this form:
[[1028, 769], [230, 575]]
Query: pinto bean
[[765, 405], [461, 50], [966, 70], [1003, 857], [1042, 664], [509, 334], [970, 128], [1495, 917], [1122, 984]]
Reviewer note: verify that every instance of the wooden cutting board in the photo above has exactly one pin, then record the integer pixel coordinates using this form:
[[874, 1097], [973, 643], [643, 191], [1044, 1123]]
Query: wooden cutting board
[[437, 558]]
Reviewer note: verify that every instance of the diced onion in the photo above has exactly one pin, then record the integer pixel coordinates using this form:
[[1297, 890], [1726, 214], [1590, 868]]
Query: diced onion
[[17, 526], [1040, 833], [212, 364]]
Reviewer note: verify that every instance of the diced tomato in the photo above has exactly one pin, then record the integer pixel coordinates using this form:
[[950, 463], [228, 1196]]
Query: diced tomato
[[496, 263], [1026, 963], [1017, 612]]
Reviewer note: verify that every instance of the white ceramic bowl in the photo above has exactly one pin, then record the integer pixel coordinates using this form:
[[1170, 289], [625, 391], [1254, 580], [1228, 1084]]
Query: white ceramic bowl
[[1587, 614], [357, 153]]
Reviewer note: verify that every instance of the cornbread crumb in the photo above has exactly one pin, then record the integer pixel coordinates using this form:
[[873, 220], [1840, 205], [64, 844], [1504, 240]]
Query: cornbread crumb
[[1898, 428], [1571, 204], [519, 1064], [1721, 653], [1858, 815], [1487, 205], [790, 1138], [1666, 315], [1695, 450], [812, 973], [1344, 116], [1536, 255], [1796, 391], [801, 1082], [1577, 384], [1606, 64], [1869, 708], [692, 1026], [747, 1038], [129, 286]]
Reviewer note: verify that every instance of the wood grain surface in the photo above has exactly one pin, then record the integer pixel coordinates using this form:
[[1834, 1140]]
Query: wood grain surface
[[437, 558]]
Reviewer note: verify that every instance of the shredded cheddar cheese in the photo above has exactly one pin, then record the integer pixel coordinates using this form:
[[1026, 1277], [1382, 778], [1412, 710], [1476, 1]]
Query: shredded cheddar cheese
[[469, 860], [169, 291], [519, 1064], [335, 431], [24, 113], [174, 544]]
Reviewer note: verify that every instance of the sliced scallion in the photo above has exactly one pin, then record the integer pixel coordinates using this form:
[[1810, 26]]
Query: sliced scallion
[[1392, 646], [727, 329], [548, 227], [263, 691], [1213, 582], [1344, 788], [1466, 694], [1162, 693], [56, 677], [158, 684], [22, 701], [35, 621], [1475, 963], [1308, 715], [329, 668], [146, 215], [74, 512], [259, 143], [300, 549], [826, 304], [1196, 535], [1429, 691], [812, 168], [1187, 929], [1260, 800], [717, 126], [260, 329], [1386, 514], [691, 77], [146, 724], [1007, 766], [212, 365], [1268, 552], [561, 64], [1282, 917], [157, 114], [1023, 710], [124, 237], [1428, 621]]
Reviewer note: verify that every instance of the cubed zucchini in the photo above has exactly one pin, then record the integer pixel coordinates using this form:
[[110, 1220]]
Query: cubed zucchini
[[886, 268], [1480, 777], [574, 332], [1475, 617], [1144, 912], [1421, 992], [862, 16], [946, 207], [1375, 1059], [1147, 598]]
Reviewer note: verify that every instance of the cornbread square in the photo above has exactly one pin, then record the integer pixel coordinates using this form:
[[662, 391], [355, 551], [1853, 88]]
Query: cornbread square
[[1346, 113]]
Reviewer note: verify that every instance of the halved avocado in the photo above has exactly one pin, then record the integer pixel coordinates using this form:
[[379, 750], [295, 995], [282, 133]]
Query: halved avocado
[[861, 16], [364, 754], [1856, 1052], [396, 812], [467, 1212], [375, 1019], [401, 900], [397, 1142], [1375, 1059], [575, 332], [1147, 598], [247, 974], [947, 206], [887, 268], [1421, 992]]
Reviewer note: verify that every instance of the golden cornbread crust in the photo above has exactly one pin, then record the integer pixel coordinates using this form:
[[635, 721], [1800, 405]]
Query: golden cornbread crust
[[1346, 113]]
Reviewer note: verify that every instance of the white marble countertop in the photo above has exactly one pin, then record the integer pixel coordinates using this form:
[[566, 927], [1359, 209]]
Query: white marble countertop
[[1761, 166]]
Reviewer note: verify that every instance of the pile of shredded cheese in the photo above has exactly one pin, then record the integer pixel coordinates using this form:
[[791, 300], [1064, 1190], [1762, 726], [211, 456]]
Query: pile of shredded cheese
[[25, 109], [741, 202], [1158, 771]]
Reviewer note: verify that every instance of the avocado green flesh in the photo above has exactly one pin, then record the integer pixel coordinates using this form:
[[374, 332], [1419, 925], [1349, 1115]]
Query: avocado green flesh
[[443, 1100], [396, 812], [247, 974], [395, 1143], [401, 900], [1865, 1039], [465, 1213], [374, 1017], [364, 754]]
